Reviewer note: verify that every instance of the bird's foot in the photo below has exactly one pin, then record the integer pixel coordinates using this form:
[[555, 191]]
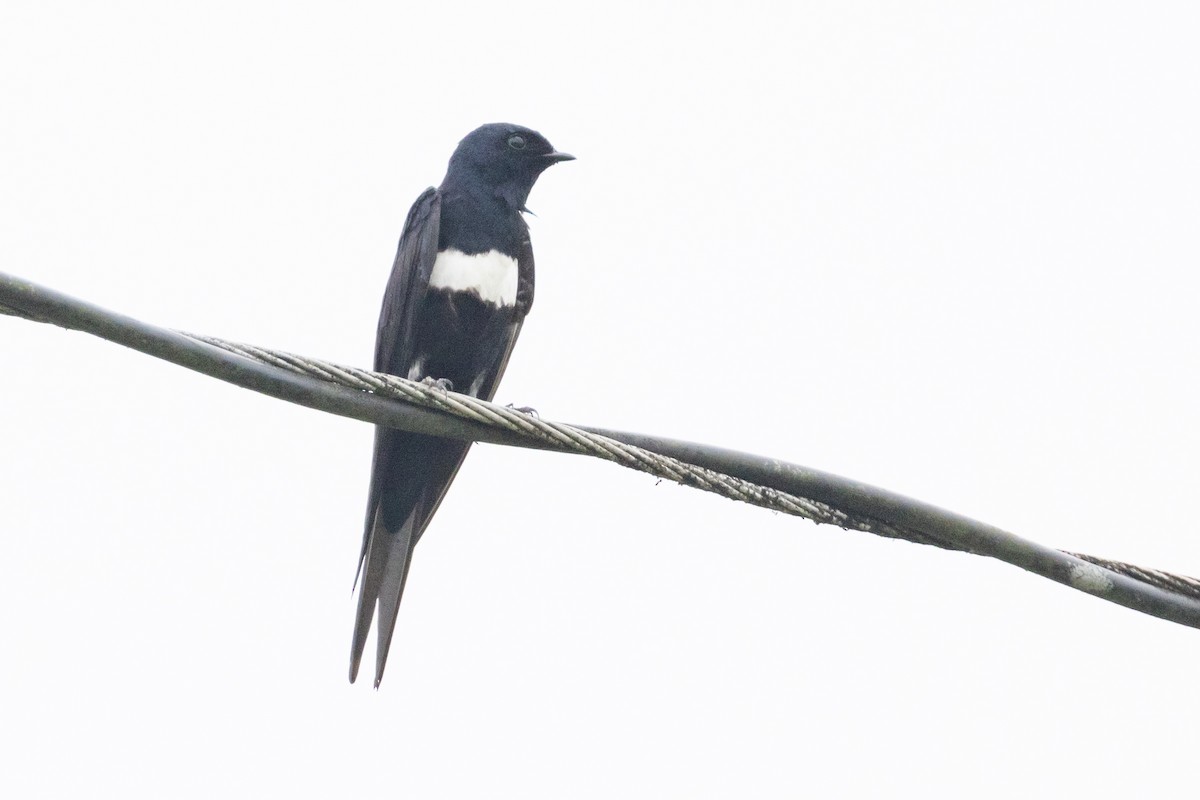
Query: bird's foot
[[530, 410], [441, 384]]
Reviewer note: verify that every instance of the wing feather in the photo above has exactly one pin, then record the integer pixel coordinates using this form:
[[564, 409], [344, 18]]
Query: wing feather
[[385, 551]]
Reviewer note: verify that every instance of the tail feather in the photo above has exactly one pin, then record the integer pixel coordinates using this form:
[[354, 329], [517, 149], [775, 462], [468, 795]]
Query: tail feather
[[395, 575], [409, 477], [370, 575], [383, 572]]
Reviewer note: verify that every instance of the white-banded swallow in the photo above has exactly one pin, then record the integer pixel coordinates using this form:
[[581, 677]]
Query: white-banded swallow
[[459, 291]]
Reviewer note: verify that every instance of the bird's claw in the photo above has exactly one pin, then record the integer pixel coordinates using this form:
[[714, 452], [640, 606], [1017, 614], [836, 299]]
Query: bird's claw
[[530, 410], [441, 384]]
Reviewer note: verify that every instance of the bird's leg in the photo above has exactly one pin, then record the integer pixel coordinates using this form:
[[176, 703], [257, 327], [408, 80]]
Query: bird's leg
[[441, 384]]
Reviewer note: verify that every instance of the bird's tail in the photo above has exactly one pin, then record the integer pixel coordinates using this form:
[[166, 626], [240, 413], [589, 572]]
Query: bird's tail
[[383, 574]]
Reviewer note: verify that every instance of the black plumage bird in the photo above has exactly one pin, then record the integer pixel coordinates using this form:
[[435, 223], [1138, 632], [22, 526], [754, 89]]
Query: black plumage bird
[[460, 288]]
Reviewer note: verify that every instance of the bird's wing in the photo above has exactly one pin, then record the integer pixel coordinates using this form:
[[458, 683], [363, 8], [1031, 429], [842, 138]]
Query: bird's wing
[[388, 537], [415, 255]]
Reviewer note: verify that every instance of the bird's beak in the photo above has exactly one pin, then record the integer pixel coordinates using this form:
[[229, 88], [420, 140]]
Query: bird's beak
[[554, 157]]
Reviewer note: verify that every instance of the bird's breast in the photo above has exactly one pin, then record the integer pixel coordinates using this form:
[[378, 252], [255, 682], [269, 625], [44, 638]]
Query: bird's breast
[[491, 275]]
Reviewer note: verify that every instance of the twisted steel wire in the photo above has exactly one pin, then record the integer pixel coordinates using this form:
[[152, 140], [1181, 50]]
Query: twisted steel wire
[[769, 483]]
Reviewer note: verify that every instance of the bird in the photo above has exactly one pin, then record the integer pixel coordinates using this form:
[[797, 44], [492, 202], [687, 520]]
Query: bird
[[459, 291]]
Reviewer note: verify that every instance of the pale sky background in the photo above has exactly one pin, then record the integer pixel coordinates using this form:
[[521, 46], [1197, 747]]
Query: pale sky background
[[946, 248]]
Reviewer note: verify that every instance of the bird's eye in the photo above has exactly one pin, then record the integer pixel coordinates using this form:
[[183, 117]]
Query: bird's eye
[[516, 142]]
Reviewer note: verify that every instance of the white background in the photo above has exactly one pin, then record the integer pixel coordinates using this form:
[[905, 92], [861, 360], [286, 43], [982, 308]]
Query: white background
[[946, 248]]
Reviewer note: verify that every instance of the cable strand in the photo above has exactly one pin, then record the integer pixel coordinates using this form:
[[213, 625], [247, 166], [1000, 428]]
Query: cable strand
[[769, 483]]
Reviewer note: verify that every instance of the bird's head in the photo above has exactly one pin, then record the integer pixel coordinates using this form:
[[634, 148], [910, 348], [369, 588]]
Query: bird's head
[[502, 160]]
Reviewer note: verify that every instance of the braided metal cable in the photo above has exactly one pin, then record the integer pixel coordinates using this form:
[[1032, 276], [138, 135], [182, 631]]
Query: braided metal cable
[[561, 437], [766, 482], [567, 438], [1167, 581]]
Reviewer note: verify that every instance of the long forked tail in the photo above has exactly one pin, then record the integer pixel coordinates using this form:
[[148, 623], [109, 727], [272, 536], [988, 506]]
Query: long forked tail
[[410, 474], [383, 574]]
